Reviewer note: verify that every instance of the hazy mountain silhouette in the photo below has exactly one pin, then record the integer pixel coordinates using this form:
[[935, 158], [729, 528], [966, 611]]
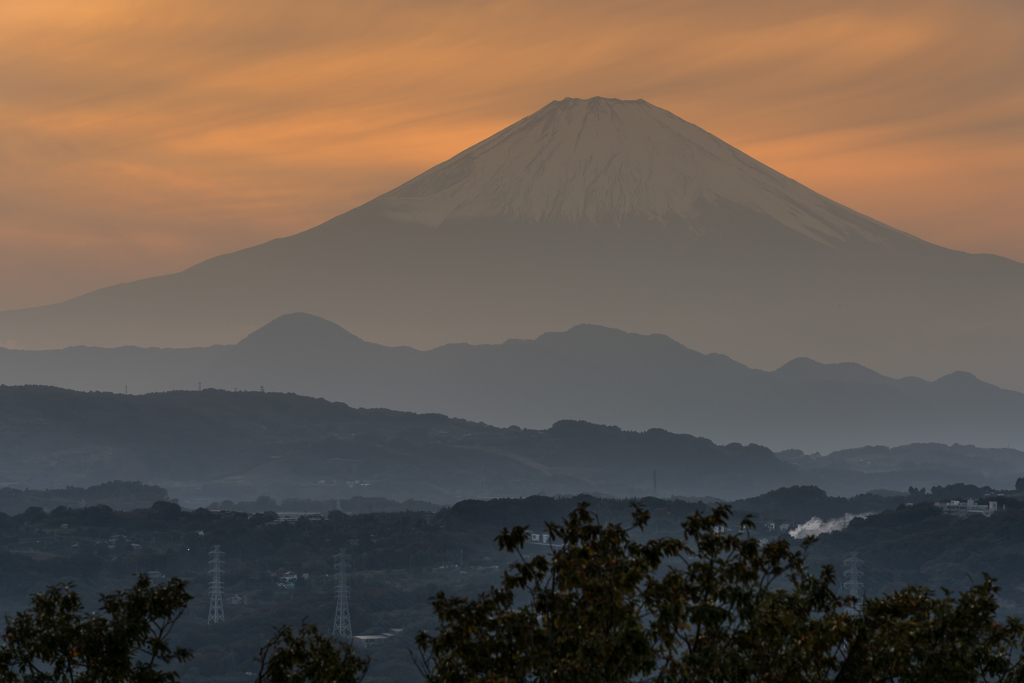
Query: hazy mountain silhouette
[[588, 373], [603, 211], [222, 444], [214, 444]]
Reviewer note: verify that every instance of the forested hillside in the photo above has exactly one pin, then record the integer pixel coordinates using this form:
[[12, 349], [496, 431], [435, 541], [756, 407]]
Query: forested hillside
[[212, 445]]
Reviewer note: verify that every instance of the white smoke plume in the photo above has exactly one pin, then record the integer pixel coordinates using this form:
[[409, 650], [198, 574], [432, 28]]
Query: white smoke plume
[[815, 527]]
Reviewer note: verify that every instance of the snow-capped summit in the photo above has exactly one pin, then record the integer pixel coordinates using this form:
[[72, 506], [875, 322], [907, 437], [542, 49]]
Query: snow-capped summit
[[604, 161]]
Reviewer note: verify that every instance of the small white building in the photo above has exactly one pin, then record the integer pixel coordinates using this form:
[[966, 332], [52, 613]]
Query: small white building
[[966, 509], [363, 642]]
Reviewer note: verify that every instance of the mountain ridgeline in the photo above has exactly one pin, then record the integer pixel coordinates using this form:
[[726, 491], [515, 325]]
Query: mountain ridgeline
[[216, 445], [599, 211], [587, 373]]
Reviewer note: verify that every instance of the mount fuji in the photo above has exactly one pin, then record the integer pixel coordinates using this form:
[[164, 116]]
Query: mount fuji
[[600, 211]]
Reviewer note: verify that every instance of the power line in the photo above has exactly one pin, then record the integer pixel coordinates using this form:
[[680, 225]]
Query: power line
[[342, 621], [216, 586], [853, 585]]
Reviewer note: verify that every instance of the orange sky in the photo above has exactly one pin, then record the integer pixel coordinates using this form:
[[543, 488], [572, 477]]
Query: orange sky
[[138, 138]]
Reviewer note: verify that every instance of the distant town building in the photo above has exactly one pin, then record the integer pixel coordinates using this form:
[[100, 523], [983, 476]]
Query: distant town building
[[363, 642], [966, 509], [292, 517]]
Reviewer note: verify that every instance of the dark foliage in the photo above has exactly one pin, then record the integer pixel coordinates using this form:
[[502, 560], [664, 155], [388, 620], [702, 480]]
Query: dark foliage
[[55, 640], [708, 607], [308, 656]]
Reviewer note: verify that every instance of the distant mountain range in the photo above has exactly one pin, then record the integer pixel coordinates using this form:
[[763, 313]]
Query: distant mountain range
[[590, 373], [609, 212], [219, 445]]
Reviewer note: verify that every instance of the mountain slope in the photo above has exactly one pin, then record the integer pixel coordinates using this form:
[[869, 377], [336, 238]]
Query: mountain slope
[[602, 211], [238, 445], [610, 163], [216, 444], [588, 373]]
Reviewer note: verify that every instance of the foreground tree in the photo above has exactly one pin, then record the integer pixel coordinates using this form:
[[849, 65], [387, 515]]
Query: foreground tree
[[308, 656], [55, 640], [710, 607], [603, 607], [911, 635]]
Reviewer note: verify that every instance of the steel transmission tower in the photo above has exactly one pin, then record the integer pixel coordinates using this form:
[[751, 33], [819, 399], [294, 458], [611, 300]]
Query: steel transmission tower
[[216, 586], [342, 622], [853, 585]]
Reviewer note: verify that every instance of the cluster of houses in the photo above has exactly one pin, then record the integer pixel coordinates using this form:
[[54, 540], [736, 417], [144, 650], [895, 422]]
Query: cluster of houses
[[968, 508], [120, 538], [287, 578]]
